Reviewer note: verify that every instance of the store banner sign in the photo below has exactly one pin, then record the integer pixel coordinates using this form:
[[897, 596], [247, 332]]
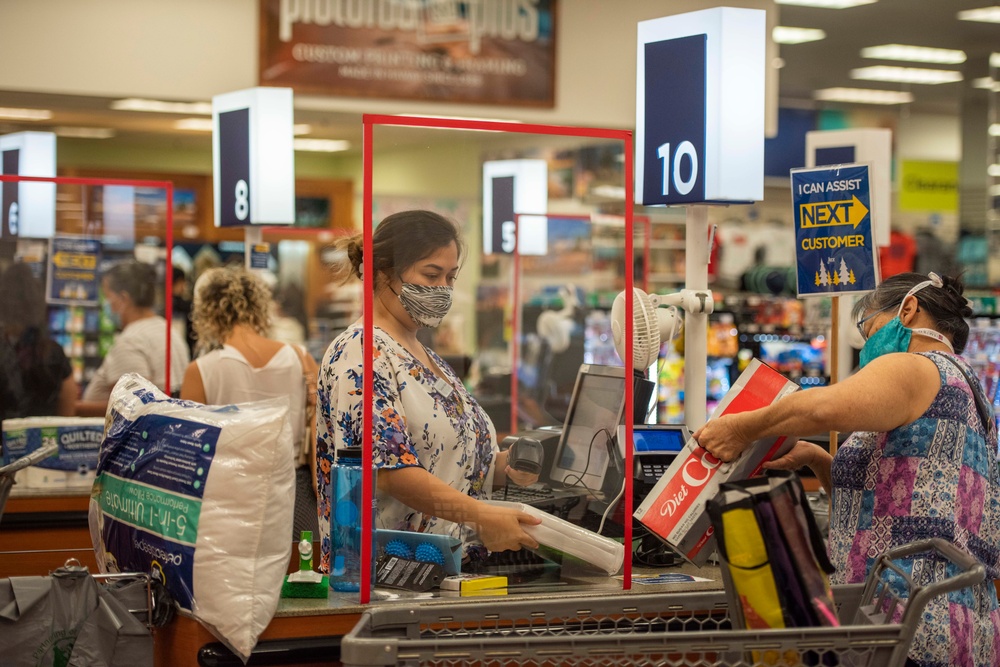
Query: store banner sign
[[466, 51], [928, 186], [73, 277], [513, 188], [28, 210], [873, 146], [700, 107], [835, 252], [253, 158]]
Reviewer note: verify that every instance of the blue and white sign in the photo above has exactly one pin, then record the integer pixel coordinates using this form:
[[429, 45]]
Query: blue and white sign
[[835, 250], [260, 255], [72, 277], [868, 145], [700, 107], [512, 188], [28, 209], [253, 159]]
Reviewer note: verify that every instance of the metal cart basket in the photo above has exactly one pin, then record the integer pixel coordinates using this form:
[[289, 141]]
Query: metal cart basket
[[672, 630]]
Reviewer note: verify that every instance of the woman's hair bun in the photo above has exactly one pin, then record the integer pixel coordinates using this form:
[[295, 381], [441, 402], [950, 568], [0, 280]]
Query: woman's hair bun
[[956, 288], [355, 254]]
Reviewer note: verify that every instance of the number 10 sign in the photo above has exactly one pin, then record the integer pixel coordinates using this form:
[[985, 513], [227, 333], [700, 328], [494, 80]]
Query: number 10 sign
[[253, 160], [700, 108]]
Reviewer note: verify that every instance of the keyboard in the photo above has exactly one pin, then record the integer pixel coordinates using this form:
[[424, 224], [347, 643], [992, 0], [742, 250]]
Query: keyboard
[[523, 494], [652, 471]]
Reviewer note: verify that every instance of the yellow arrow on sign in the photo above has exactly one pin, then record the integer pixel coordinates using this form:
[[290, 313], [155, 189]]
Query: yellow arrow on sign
[[65, 260], [832, 213]]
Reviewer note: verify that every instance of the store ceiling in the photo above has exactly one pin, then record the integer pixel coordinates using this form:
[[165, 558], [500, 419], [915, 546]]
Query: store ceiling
[[807, 67]]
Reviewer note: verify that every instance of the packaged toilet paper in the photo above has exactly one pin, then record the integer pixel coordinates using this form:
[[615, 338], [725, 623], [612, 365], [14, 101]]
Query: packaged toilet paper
[[71, 468], [201, 497]]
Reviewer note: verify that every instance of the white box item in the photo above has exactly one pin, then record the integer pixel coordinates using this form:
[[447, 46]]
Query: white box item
[[675, 509]]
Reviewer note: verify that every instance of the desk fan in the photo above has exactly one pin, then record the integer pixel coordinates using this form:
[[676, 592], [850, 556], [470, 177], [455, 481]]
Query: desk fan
[[651, 325]]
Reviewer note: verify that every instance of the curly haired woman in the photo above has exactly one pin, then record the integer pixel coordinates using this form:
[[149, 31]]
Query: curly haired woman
[[238, 364]]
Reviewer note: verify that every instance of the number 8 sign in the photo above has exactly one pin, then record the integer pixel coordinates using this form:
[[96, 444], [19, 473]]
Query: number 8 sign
[[253, 132]]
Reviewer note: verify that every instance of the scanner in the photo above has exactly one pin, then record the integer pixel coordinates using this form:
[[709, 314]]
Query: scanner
[[526, 455]]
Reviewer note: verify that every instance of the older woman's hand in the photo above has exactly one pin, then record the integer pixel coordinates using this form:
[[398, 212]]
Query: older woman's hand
[[723, 438]]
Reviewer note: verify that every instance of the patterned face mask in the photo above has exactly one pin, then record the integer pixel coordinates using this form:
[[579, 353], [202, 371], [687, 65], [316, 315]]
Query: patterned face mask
[[426, 304]]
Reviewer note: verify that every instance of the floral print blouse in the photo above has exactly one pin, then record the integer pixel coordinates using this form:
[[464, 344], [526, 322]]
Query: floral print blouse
[[937, 476], [419, 419]]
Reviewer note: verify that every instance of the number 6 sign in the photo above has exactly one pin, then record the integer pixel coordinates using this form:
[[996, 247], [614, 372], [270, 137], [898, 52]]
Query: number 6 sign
[[253, 132]]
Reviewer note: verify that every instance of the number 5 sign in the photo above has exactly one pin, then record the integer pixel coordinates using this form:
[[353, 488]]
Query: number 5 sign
[[252, 157], [700, 108]]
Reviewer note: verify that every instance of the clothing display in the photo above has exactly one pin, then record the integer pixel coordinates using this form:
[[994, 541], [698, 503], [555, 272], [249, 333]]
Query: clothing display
[[420, 420], [141, 348], [228, 377], [932, 477]]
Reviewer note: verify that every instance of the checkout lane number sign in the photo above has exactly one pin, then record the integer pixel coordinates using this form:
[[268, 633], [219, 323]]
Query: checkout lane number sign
[[835, 251]]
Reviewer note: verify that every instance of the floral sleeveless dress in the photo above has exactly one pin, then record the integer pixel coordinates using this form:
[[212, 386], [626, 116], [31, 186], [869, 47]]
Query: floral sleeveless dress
[[937, 476]]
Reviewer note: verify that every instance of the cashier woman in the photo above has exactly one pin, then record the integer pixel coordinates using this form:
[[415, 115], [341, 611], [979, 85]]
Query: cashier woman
[[434, 447]]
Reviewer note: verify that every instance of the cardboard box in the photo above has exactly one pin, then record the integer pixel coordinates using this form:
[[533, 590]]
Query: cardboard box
[[74, 465], [674, 510]]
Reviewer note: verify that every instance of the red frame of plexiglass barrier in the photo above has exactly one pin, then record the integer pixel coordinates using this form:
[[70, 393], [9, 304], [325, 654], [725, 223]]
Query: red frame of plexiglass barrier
[[370, 121], [167, 186]]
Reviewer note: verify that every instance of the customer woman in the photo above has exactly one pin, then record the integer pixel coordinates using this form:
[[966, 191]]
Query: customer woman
[[129, 292], [921, 462], [434, 446], [35, 376], [230, 314]]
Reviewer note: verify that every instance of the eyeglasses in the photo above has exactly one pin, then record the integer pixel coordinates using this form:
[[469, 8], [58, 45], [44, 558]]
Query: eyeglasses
[[861, 323]]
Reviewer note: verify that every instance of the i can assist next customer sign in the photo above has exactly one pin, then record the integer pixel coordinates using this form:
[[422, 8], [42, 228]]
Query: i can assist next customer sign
[[473, 51], [834, 248]]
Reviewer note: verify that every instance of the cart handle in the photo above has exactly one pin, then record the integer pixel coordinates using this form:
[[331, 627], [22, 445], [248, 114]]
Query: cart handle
[[919, 596], [29, 459]]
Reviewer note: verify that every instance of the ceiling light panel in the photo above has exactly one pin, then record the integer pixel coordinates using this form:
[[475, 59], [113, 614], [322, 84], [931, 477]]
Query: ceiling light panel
[[301, 128], [8, 113], [863, 96], [788, 35], [995, 60], [986, 83], [914, 54], [85, 132], [321, 145], [827, 4], [905, 74], [160, 106], [994, 170], [194, 124], [983, 14]]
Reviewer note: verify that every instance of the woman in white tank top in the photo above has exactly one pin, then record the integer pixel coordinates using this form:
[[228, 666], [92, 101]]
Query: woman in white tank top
[[239, 365]]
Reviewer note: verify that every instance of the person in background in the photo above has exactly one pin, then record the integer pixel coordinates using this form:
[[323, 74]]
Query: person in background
[[130, 291], [288, 316], [434, 446], [36, 378], [921, 461], [237, 364], [181, 307]]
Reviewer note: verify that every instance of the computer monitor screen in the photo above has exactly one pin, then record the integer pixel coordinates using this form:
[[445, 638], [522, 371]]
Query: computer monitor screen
[[595, 412]]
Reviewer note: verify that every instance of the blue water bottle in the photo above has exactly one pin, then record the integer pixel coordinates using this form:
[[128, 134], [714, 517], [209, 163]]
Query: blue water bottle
[[345, 522]]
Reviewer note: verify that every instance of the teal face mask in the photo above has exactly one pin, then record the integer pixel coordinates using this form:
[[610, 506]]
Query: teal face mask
[[894, 337]]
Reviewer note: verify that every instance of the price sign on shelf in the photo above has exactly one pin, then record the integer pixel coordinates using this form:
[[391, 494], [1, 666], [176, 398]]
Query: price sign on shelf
[[835, 249]]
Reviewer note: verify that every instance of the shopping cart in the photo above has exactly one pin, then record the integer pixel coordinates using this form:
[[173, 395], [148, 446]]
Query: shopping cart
[[7, 471], [656, 629]]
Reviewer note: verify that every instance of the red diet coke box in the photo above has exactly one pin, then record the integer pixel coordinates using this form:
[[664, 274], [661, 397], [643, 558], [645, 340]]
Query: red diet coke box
[[675, 509]]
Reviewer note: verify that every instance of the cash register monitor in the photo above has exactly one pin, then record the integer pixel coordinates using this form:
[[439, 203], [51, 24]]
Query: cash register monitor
[[595, 411]]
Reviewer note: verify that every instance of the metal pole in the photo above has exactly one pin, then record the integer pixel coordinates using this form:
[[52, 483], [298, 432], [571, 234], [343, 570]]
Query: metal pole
[[696, 255]]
